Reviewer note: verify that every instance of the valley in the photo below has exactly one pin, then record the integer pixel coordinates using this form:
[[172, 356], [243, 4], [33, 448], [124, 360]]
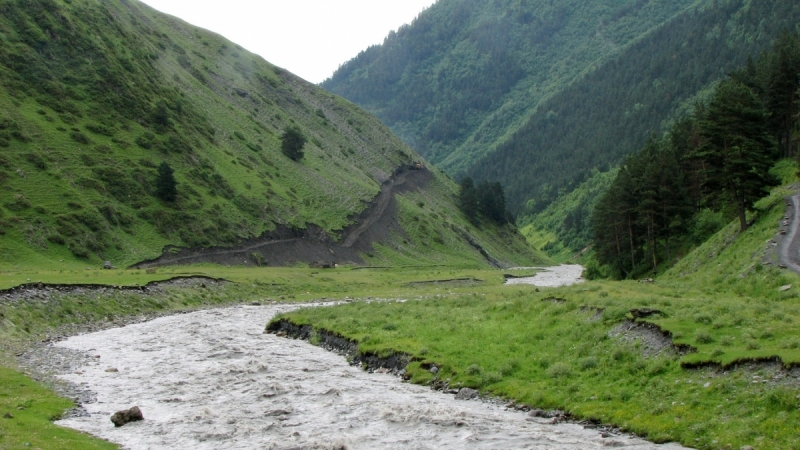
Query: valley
[[255, 261]]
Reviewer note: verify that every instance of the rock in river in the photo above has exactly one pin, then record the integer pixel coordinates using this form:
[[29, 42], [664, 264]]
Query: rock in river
[[124, 417]]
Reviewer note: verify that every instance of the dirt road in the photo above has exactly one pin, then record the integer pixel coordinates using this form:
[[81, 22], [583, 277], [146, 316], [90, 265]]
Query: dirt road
[[789, 246]]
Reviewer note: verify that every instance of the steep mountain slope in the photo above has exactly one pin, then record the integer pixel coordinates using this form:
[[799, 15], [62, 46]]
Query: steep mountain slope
[[94, 96], [537, 94], [466, 74]]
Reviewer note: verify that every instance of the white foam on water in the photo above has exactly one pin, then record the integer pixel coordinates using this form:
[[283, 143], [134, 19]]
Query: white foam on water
[[563, 275], [212, 379]]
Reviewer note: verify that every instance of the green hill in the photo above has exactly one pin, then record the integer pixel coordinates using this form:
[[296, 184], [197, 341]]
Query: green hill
[[95, 96]]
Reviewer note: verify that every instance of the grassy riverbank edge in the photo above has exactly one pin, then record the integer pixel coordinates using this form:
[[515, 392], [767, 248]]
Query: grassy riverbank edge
[[53, 304], [527, 347]]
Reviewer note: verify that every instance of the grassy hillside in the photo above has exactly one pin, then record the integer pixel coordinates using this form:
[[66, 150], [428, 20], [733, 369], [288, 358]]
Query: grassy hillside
[[465, 75], [715, 367], [95, 95]]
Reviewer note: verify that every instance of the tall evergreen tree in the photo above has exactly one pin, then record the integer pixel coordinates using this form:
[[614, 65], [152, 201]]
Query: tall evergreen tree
[[736, 149], [166, 186], [783, 82], [468, 199]]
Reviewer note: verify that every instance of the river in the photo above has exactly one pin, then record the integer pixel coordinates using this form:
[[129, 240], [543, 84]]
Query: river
[[563, 275], [213, 379]]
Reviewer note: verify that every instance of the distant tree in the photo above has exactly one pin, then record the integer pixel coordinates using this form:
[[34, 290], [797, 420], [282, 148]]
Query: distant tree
[[292, 143], [782, 90], [492, 201], [166, 186], [737, 149], [160, 116], [468, 199]]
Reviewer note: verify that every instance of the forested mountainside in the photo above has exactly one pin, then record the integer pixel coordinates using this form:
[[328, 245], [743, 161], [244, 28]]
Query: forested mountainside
[[468, 73], [710, 168], [612, 111], [124, 130], [537, 94]]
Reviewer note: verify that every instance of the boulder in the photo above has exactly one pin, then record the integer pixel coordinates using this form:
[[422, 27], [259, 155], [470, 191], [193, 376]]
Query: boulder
[[121, 418], [466, 394]]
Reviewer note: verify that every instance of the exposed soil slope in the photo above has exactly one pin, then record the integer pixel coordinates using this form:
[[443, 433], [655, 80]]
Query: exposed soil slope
[[312, 245]]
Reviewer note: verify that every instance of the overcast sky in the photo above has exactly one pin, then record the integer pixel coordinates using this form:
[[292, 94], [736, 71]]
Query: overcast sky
[[310, 38]]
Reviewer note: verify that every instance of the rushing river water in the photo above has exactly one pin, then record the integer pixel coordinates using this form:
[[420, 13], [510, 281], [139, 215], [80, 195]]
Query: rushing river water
[[212, 379]]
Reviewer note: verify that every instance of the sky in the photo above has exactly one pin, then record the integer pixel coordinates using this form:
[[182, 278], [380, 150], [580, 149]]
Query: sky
[[310, 38]]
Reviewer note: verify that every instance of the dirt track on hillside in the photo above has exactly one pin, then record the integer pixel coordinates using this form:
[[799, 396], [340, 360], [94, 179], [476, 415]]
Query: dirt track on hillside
[[788, 251], [313, 245]]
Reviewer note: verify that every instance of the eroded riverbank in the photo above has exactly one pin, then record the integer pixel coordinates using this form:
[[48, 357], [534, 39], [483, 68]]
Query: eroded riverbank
[[212, 379]]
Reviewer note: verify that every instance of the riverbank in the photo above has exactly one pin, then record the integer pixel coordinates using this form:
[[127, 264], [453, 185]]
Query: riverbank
[[686, 372], [212, 379]]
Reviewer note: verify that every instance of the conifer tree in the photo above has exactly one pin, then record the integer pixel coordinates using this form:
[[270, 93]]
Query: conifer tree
[[468, 199], [737, 149], [166, 186]]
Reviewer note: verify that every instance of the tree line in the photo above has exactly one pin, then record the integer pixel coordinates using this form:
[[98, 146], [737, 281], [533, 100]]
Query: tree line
[[711, 166], [483, 200]]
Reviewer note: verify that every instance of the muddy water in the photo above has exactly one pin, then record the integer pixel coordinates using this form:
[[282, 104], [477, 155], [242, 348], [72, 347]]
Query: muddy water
[[563, 275], [212, 379]]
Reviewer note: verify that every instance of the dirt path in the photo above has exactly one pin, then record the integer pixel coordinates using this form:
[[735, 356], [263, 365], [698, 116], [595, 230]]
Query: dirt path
[[789, 246], [286, 246], [378, 210]]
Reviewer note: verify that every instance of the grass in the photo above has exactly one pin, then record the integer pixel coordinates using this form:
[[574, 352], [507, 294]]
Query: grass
[[32, 408], [511, 343], [721, 299]]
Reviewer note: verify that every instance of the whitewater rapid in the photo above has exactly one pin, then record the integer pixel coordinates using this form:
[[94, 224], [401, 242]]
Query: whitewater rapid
[[213, 379]]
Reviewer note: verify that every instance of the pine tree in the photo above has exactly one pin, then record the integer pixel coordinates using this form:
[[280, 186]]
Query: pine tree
[[736, 149], [468, 199], [166, 186], [782, 90]]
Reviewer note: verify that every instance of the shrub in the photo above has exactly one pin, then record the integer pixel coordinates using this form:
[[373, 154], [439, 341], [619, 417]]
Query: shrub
[[146, 141], [36, 160], [79, 137], [19, 203], [97, 128], [707, 222], [588, 363], [473, 369], [703, 337], [559, 370], [292, 143]]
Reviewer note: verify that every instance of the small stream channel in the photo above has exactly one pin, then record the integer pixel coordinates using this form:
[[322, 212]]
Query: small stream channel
[[213, 379]]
